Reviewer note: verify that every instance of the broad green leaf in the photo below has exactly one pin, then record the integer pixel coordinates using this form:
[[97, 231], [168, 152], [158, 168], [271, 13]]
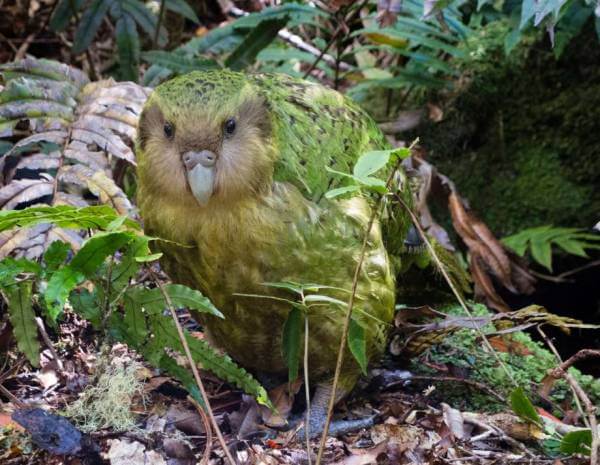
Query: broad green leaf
[[128, 47], [88, 25], [357, 344], [181, 296], [291, 341], [178, 62], [371, 162], [22, 318], [85, 263], [333, 193], [182, 8], [261, 36], [523, 407], [577, 442], [56, 255]]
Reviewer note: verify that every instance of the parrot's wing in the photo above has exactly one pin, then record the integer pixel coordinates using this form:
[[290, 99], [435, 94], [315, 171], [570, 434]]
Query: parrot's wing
[[316, 128]]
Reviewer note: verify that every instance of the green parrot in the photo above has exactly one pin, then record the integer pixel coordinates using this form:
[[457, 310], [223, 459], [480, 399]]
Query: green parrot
[[232, 172]]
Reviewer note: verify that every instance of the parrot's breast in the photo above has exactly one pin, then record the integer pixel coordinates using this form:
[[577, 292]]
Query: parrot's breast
[[277, 238]]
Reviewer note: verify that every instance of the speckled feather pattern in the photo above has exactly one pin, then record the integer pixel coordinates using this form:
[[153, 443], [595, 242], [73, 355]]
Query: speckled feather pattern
[[283, 228]]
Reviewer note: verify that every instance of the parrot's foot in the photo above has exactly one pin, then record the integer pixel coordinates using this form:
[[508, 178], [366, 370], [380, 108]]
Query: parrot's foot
[[318, 416]]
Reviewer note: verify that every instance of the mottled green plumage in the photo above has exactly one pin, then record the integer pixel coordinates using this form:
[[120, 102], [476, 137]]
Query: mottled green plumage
[[267, 219]]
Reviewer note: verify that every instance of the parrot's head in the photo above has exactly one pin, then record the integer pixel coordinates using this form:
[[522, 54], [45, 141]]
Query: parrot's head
[[205, 137]]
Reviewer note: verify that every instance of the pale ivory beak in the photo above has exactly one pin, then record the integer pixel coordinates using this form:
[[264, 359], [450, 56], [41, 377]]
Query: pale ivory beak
[[200, 168]]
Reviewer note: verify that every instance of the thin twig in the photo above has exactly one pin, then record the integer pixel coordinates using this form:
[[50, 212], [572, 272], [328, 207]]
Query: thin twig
[[561, 371], [461, 301], [348, 317], [560, 361], [190, 359], [12, 397], [208, 429], [161, 13], [48, 342]]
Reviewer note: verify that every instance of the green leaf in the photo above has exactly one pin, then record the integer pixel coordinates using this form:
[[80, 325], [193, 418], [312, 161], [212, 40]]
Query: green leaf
[[63, 12], [84, 265], [297, 12], [261, 36], [153, 301], [541, 251], [577, 442], [571, 246], [135, 320], [357, 343], [85, 304], [165, 336], [333, 193], [371, 162], [291, 340], [128, 47], [56, 255], [10, 268], [89, 24], [376, 184], [178, 62], [318, 298], [145, 19], [182, 8], [289, 285], [63, 216], [528, 10], [523, 407], [22, 318]]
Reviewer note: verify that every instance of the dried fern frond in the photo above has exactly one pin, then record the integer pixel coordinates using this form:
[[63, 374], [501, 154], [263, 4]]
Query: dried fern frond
[[66, 137]]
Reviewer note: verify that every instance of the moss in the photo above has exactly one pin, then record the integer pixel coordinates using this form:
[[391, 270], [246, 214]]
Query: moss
[[519, 136], [464, 351]]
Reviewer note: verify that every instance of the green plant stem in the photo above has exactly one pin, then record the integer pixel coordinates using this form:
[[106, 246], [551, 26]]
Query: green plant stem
[[342, 348], [306, 389], [161, 13], [190, 359]]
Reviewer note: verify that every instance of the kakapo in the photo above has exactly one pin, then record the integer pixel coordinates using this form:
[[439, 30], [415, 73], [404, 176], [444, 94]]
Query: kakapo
[[236, 166]]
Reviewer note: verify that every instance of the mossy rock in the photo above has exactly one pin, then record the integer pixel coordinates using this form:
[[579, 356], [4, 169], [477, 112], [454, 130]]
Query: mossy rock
[[520, 135]]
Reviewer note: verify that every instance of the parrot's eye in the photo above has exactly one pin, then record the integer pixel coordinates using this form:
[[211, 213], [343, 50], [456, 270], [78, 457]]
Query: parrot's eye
[[230, 126], [169, 130]]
